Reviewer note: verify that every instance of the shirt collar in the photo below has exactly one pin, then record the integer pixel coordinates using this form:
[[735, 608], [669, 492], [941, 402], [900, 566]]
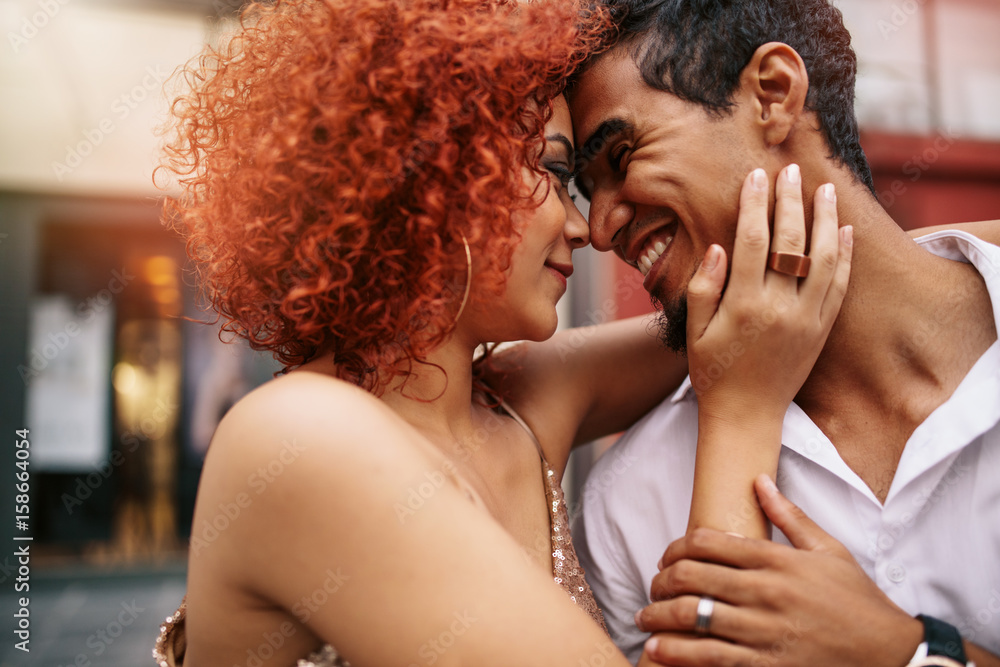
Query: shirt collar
[[954, 245]]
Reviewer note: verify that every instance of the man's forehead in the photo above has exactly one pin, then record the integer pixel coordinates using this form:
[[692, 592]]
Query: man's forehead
[[603, 80], [602, 91]]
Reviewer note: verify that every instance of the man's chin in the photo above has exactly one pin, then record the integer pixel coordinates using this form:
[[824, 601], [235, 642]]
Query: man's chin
[[672, 321]]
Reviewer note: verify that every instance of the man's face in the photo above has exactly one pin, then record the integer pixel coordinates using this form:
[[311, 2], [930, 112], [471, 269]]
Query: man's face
[[663, 177]]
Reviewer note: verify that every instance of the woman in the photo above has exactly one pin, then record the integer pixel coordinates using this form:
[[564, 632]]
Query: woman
[[373, 191]]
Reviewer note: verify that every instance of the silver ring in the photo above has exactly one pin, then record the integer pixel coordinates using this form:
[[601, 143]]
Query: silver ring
[[706, 605]]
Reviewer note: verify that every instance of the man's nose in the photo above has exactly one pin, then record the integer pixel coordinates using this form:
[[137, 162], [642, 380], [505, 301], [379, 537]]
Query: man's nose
[[607, 218], [577, 230]]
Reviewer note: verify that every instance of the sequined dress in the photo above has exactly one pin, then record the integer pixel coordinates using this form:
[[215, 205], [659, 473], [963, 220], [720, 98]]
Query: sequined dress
[[566, 572]]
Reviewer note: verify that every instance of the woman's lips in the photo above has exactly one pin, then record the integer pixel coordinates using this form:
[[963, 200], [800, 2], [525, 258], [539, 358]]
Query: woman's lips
[[561, 271]]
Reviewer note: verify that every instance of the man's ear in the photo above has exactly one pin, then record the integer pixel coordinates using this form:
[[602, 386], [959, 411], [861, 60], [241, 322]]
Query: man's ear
[[777, 84]]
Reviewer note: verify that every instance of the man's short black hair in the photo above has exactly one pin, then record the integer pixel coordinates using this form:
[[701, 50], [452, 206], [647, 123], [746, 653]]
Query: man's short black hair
[[697, 49]]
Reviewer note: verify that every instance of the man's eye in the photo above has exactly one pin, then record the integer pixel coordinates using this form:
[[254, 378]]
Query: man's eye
[[615, 157]]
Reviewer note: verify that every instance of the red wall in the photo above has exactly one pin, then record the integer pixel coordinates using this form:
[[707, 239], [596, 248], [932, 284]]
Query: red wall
[[924, 181]]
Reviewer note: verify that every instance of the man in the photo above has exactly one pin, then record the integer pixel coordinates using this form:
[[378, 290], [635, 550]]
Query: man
[[892, 445]]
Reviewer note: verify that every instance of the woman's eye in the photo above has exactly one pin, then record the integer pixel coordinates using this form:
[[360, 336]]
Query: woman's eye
[[562, 173]]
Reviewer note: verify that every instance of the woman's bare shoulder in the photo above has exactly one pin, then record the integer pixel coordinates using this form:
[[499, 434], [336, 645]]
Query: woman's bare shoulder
[[295, 452], [356, 494], [300, 429], [312, 405]]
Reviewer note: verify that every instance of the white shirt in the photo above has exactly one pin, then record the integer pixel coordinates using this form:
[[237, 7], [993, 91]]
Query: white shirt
[[933, 547]]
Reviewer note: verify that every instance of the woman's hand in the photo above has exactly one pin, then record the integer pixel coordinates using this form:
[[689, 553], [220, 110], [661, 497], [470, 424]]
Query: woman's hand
[[750, 350], [755, 349]]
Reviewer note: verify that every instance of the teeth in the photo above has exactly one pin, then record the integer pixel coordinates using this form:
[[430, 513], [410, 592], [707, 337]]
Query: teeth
[[648, 258]]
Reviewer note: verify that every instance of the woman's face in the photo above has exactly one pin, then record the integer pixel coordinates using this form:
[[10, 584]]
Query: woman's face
[[542, 261]]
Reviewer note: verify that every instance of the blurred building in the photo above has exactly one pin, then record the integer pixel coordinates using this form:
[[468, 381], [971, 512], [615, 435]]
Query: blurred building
[[120, 393]]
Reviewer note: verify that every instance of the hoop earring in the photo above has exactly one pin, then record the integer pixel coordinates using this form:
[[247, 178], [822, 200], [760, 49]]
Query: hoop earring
[[468, 278]]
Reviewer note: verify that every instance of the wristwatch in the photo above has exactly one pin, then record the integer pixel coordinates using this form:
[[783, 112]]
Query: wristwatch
[[942, 645]]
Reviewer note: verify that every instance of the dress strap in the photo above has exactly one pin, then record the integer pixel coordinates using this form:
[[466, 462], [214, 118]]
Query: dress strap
[[505, 406]]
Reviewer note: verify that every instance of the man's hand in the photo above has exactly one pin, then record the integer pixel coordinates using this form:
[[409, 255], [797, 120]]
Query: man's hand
[[774, 605]]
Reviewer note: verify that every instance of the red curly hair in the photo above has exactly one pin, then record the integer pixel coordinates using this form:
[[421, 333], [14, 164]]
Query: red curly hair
[[333, 154]]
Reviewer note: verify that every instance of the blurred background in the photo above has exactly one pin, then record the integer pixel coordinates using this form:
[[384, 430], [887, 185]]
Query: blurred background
[[119, 395]]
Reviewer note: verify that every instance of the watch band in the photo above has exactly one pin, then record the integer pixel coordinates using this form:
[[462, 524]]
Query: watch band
[[942, 639]]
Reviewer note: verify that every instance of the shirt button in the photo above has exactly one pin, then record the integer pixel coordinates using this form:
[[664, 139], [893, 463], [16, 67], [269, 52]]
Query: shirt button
[[896, 573]]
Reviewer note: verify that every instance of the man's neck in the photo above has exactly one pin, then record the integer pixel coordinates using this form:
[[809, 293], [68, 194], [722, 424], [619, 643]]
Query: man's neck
[[911, 327]]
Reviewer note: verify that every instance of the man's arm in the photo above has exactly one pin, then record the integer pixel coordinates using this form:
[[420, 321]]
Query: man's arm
[[981, 656], [777, 604]]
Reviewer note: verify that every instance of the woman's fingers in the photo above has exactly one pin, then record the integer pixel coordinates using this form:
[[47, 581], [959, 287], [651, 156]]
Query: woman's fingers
[[789, 219], [690, 651], [752, 236], [825, 246], [838, 289], [704, 292]]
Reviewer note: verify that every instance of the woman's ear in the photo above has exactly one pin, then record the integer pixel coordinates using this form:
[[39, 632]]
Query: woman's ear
[[777, 84]]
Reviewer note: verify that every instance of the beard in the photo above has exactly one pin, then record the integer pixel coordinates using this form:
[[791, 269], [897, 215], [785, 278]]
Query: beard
[[672, 321]]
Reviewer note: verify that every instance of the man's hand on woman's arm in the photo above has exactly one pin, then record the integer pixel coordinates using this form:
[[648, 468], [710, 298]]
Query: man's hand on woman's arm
[[810, 604]]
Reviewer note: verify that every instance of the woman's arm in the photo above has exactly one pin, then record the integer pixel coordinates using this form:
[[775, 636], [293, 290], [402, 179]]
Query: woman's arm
[[588, 382], [427, 575], [987, 230], [773, 327]]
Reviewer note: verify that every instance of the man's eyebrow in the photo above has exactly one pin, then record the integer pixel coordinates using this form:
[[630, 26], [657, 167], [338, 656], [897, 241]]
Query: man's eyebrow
[[564, 140], [599, 138]]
